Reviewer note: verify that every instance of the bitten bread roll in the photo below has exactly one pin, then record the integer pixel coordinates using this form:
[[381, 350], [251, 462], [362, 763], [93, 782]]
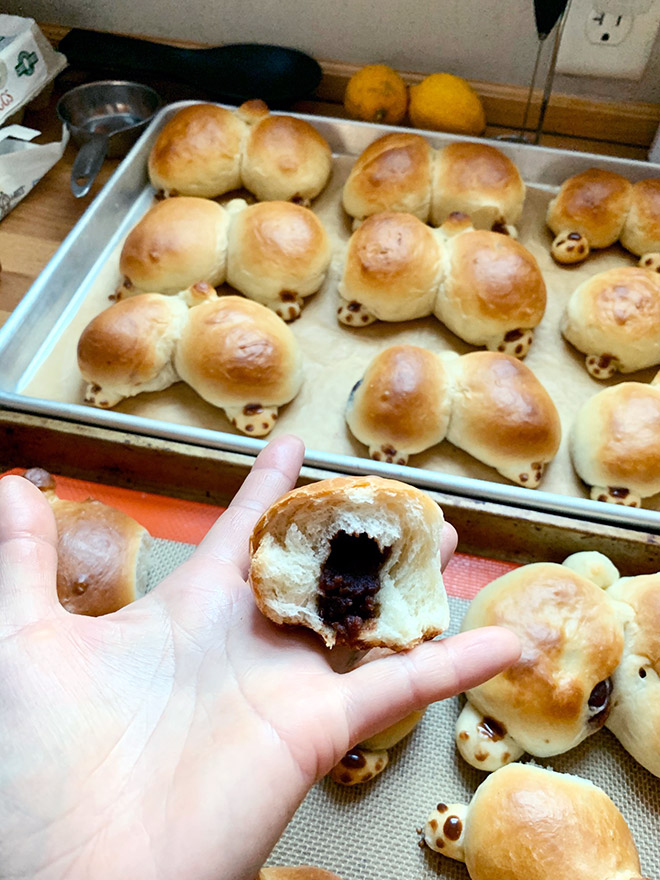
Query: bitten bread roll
[[588, 212], [480, 181], [641, 231], [392, 271], [284, 158], [177, 243], [278, 253], [241, 357], [392, 174], [129, 347], [614, 318], [528, 823], [615, 443], [402, 403], [559, 690], [635, 715], [198, 152], [492, 292], [102, 553], [356, 559], [502, 415]]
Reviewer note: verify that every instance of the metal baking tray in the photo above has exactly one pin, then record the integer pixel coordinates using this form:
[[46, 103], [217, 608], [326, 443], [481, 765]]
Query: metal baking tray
[[36, 324]]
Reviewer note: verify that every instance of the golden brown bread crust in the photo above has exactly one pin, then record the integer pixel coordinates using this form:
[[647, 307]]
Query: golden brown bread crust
[[392, 174], [642, 594], [325, 491], [285, 158], [495, 281], [197, 153], [235, 352], [635, 715], [299, 872], [503, 416], [630, 441], [641, 231], [122, 343], [177, 243], [615, 440], [527, 823], [402, 402], [97, 551], [617, 313], [479, 180], [594, 203], [571, 641], [392, 267], [277, 249]]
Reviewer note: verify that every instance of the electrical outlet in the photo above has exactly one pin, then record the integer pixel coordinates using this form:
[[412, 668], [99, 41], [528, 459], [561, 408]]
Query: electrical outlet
[[616, 42]]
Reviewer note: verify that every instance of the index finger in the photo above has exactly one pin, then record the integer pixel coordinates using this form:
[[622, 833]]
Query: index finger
[[273, 473]]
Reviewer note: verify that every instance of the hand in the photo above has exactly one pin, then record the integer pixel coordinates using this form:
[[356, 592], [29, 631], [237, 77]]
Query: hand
[[174, 739]]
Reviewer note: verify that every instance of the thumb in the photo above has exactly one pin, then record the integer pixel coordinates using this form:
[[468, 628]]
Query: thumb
[[28, 554], [382, 692]]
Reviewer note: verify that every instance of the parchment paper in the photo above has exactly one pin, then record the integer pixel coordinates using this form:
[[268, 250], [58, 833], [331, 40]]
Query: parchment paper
[[336, 356]]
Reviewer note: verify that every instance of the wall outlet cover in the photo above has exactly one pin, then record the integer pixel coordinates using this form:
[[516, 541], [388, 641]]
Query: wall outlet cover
[[613, 43]]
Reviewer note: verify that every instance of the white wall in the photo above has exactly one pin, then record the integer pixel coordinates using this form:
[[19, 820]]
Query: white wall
[[492, 40]]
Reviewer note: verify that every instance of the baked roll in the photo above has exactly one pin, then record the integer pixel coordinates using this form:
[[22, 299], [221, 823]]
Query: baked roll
[[278, 253], [391, 272], [102, 553], [242, 358], [492, 292], [635, 715], [641, 230], [528, 823], [284, 158], [480, 181], [503, 416], [559, 691], [370, 758], [615, 443], [402, 403], [393, 174], [198, 152], [177, 243], [614, 318], [588, 212], [129, 347], [356, 559]]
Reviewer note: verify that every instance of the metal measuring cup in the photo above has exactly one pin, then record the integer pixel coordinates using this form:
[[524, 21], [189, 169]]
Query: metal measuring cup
[[105, 119]]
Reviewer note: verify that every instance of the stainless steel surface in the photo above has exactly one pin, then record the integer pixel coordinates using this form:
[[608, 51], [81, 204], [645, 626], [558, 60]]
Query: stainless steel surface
[[105, 119], [33, 328], [550, 75]]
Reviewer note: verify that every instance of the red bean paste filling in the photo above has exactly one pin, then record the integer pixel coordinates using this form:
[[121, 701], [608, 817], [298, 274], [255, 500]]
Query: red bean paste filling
[[349, 583], [599, 702]]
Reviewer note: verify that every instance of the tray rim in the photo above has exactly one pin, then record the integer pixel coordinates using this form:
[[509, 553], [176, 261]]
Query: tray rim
[[509, 494]]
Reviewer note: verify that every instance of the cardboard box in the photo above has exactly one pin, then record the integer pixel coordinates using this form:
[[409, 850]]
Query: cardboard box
[[28, 64]]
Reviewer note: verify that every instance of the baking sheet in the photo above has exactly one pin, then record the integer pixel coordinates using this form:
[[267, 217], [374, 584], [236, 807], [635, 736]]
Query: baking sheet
[[335, 356]]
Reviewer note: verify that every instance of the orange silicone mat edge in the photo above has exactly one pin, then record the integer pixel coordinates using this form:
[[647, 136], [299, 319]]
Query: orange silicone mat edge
[[188, 521]]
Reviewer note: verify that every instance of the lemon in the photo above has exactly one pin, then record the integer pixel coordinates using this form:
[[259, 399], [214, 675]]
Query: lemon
[[376, 93], [444, 102]]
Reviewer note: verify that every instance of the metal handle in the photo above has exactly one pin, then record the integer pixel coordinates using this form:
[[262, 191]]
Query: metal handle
[[87, 164]]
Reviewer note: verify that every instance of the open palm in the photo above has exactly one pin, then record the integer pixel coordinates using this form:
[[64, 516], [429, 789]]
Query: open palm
[[176, 737]]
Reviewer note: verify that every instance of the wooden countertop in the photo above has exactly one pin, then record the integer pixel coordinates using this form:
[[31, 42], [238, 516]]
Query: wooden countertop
[[31, 233]]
